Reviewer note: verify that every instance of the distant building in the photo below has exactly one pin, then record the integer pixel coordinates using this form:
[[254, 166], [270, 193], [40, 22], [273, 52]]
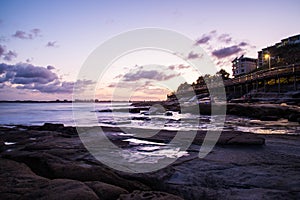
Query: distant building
[[243, 65], [282, 53]]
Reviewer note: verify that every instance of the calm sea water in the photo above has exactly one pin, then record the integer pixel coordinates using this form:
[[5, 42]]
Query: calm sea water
[[40, 113]]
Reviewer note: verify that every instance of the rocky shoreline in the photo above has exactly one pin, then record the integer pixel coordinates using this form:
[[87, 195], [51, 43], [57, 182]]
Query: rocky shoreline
[[50, 162], [262, 111]]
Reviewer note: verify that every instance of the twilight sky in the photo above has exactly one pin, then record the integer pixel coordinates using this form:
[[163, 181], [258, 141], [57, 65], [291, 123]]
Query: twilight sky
[[43, 44]]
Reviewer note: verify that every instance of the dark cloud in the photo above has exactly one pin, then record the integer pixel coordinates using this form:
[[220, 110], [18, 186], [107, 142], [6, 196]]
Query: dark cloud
[[10, 55], [233, 46], [242, 44], [22, 35], [193, 55], [52, 44], [206, 38], [148, 74], [2, 50], [7, 55], [58, 87], [227, 51], [49, 67], [37, 78], [30, 35]]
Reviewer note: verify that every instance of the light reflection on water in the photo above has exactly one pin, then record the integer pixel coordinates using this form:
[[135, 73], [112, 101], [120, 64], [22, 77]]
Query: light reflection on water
[[140, 151], [146, 155], [143, 151], [39, 113]]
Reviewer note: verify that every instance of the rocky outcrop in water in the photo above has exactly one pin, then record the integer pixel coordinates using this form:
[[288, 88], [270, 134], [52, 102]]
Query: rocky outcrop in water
[[266, 112]]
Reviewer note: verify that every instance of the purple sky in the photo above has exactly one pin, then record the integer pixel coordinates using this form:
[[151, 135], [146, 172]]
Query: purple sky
[[43, 44]]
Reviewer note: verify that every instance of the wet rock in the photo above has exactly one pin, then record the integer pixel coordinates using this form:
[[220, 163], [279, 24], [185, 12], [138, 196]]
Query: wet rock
[[294, 117], [17, 179], [168, 113], [105, 110], [2, 145], [269, 118], [138, 109], [19, 182], [262, 111], [52, 167], [62, 188], [52, 127], [106, 191], [149, 195], [246, 139], [141, 118]]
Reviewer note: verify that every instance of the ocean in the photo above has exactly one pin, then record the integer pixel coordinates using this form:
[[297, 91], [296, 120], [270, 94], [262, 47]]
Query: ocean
[[87, 115]]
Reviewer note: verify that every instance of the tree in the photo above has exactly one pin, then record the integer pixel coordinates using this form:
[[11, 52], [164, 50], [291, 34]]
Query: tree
[[223, 74], [183, 87]]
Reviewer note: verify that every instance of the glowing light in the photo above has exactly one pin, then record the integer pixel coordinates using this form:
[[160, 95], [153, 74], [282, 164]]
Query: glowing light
[[267, 56]]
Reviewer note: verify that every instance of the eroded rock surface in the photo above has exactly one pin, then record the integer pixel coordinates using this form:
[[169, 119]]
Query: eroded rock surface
[[38, 163]]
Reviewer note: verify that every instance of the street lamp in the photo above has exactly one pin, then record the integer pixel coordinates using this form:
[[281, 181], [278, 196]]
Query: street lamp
[[268, 56]]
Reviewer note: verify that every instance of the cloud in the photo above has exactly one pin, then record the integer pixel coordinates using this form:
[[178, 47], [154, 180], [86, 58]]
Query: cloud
[[29, 36], [2, 50], [7, 55], [36, 78], [226, 38], [10, 55], [227, 51], [148, 74], [205, 38], [178, 67], [28, 60], [242, 44], [22, 35], [193, 55], [171, 67], [181, 66], [58, 87], [222, 46], [49, 67], [36, 32], [52, 44]]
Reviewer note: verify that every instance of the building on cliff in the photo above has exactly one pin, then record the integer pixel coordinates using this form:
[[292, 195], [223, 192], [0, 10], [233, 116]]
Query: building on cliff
[[286, 52], [243, 65]]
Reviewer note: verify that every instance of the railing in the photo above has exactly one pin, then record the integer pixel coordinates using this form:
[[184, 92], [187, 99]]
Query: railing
[[264, 74]]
